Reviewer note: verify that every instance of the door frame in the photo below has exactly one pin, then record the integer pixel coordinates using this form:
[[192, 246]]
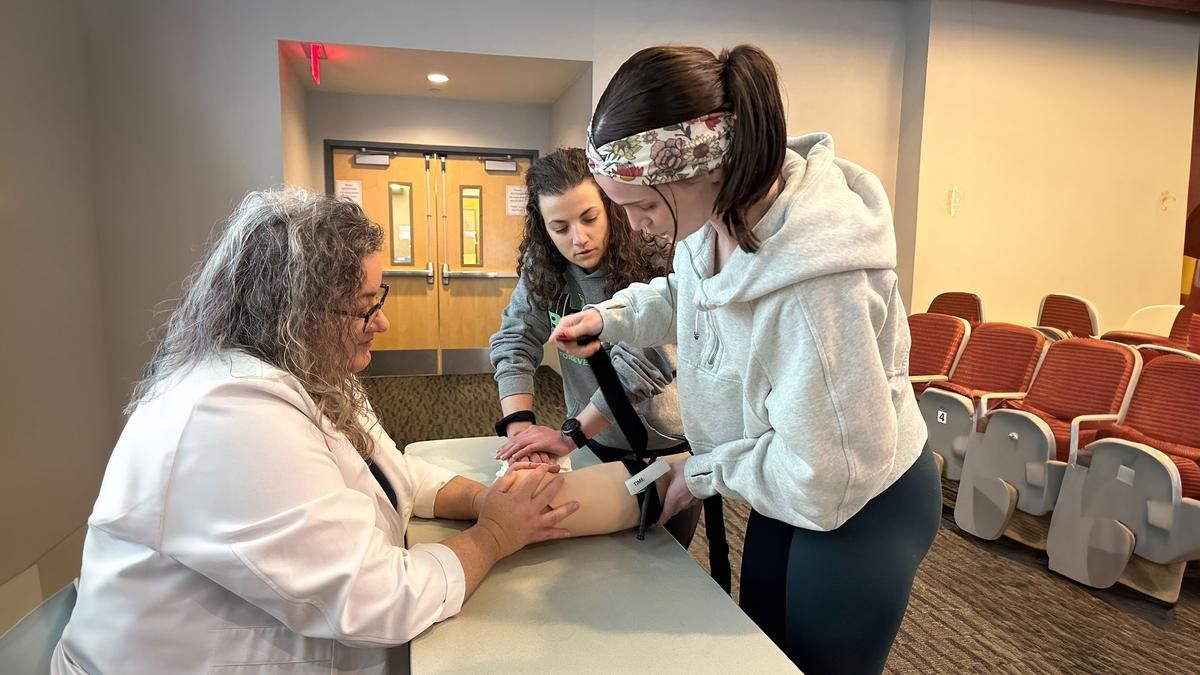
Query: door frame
[[421, 149]]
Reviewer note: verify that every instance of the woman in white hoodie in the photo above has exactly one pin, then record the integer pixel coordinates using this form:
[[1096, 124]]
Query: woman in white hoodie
[[792, 344]]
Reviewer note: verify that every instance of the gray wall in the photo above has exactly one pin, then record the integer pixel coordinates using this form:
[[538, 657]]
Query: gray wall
[[571, 114], [56, 420], [908, 160], [293, 120], [188, 111]]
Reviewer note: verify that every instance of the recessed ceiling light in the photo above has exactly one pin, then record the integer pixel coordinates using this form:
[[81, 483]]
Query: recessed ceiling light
[[437, 78]]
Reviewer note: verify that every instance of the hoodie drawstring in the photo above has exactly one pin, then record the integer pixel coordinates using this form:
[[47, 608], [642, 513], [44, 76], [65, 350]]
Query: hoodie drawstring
[[709, 323], [696, 318]]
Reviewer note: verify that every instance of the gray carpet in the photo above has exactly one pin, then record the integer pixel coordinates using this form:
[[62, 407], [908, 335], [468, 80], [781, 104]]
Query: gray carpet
[[977, 607]]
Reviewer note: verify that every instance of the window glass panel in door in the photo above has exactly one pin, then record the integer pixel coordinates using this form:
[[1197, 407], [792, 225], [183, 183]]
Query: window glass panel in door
[[401, 216], [471, 198]]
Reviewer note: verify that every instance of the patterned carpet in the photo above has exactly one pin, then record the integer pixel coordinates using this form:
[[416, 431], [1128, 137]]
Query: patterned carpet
[[454, 406], [994, 607], [977, 607]]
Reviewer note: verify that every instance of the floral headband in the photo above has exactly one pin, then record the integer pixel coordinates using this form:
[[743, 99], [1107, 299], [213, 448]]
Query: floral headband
[[672, 153]]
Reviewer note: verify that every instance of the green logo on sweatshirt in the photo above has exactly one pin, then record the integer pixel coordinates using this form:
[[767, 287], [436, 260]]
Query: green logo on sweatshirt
[[565, 308]]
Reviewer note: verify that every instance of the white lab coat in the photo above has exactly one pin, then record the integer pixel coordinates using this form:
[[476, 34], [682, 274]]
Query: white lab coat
[[232, 536]]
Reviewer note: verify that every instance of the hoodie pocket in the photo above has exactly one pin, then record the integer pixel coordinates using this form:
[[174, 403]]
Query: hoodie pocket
[[711, 406]]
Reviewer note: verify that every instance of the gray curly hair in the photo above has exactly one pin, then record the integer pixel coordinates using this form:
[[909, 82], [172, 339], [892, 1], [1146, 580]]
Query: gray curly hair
[[272, 286]]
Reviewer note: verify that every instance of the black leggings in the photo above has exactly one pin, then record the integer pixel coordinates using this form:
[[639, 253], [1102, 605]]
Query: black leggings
[[833, 601]]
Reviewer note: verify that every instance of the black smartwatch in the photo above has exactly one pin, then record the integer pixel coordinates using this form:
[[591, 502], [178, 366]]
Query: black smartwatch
[[573, 430], [519, 416]]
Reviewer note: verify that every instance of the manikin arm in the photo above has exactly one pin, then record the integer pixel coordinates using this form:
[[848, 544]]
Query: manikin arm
[[605, 505]]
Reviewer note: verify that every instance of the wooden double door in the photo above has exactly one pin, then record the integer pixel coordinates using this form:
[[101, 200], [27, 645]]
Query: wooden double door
[[452, 224]]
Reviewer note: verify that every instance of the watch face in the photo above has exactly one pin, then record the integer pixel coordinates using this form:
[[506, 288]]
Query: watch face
[[570, 426]]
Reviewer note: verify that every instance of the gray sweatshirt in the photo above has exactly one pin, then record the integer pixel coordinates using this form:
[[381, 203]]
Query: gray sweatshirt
[[793, 361], [648, 375]]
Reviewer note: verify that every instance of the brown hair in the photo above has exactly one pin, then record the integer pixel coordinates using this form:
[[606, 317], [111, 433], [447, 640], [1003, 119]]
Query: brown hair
[[629, 256], [659, 86]]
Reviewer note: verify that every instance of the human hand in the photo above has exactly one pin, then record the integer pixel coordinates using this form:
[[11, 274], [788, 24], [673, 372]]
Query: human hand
[[587, 323], [477, 500], [536, 444], [516, 509], [677, 496]]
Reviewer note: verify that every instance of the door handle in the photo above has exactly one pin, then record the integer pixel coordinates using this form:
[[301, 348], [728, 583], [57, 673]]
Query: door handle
[[445, 228], [428, 225], [427, 273], [448, 274]]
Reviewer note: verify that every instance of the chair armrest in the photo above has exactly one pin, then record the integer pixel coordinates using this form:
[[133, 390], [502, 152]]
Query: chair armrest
[[1168, 350], [1134, 338], [1077, 423], [1010, 396], [925, 379]]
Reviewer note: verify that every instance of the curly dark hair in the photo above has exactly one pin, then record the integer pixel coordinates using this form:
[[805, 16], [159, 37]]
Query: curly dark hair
[[629, 256]]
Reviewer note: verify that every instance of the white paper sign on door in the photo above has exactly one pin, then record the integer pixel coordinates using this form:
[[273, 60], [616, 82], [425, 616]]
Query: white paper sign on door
[[349, 189], [515, 198]]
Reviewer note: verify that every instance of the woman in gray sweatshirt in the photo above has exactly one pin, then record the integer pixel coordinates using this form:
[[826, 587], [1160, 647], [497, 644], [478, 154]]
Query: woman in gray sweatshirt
[[792, 344], [578, 249]]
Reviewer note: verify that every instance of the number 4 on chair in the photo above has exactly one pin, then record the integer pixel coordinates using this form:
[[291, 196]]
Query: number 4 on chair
[[941, 416]]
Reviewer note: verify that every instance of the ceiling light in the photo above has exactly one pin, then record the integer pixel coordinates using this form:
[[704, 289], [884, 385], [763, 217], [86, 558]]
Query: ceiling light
[[437, 78]]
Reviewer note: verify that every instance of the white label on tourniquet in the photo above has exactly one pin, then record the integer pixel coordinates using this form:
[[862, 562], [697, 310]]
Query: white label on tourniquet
[[646, 477]]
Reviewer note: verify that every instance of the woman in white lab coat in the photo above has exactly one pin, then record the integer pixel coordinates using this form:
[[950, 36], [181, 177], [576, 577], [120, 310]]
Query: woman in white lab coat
[[252, 514]]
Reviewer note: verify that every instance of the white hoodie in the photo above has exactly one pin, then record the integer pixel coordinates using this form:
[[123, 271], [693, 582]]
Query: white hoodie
[[793, 361]]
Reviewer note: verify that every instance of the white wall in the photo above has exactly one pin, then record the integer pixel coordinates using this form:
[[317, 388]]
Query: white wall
[[1061, 127], [293, 103], [571, 113], [422, 121], [56, 422], [841, 61]]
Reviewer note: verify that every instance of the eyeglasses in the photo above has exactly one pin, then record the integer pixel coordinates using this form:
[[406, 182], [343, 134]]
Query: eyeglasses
[[370, 313]]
